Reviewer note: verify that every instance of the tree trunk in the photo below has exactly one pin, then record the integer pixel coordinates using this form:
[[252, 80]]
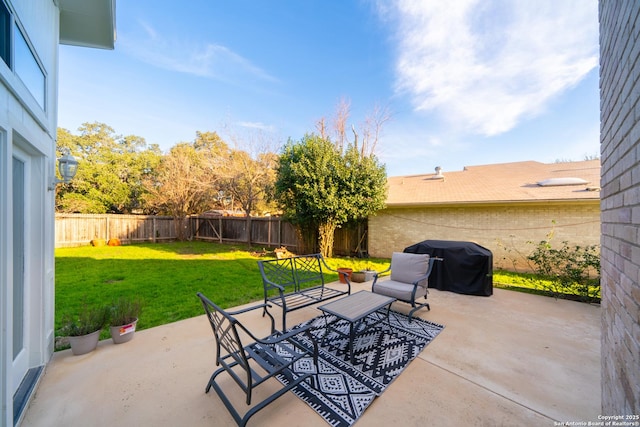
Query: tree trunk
[[326, 232]]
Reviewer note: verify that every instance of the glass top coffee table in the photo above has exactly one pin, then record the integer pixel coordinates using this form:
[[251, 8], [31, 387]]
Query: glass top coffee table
[[358, 310]]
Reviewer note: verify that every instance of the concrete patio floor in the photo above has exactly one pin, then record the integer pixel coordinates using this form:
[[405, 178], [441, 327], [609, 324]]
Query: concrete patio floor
[[511, 359]]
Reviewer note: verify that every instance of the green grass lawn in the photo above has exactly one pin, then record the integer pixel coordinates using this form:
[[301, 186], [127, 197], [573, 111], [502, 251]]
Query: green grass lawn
[[532, 283], [166, 277]]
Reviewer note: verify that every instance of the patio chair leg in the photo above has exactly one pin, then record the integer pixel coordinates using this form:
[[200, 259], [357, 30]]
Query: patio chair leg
[[426, 304], [212, 379]]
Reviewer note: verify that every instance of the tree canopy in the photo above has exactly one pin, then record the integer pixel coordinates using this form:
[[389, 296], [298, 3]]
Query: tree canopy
[[111, 172], [321, 188], [319, 184], [184, 183]]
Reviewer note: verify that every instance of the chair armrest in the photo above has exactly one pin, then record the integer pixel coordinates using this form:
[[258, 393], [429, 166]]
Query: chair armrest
[[272, 285], [283, 335], [274, 339], [432, 260], [264, 306], [345, 275], [247, 309], [326, 267], [420, 279], [379, 273]]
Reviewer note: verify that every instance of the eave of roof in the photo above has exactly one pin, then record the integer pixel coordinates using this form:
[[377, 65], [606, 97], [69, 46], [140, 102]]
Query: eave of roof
[[88, 23], [505, 183], [494, 203]]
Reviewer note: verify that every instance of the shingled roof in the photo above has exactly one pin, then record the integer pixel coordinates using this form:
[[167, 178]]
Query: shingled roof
[[498, 183]]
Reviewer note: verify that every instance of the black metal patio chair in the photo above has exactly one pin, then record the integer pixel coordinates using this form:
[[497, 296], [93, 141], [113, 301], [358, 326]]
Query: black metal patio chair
[[273, 354]]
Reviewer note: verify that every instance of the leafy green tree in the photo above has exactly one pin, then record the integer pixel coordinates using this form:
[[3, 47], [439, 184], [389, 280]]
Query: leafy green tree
[[111, 170], [319, 187], [365, 184]]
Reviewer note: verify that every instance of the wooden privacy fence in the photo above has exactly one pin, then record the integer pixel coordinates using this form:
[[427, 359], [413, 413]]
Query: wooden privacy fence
[[80, 229], [267, 231]]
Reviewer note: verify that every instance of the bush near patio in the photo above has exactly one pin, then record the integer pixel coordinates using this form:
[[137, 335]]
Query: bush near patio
[[567, 271]]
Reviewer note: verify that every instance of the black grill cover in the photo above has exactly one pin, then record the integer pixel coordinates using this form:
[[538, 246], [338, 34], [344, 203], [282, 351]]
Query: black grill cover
[[467, 267]]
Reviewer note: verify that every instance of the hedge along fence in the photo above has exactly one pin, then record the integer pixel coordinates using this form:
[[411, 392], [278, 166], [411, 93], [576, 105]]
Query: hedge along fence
[[80, 229]]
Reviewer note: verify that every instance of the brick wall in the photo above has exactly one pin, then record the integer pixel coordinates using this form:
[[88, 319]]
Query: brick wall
[[620, 157], [506, 230]]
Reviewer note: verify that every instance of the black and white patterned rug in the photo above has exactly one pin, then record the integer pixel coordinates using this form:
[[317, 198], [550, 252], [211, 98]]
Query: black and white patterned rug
[[340, 391]]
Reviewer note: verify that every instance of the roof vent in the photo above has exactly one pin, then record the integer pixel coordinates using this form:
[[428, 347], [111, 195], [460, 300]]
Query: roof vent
[[554, 182], [438, 174]]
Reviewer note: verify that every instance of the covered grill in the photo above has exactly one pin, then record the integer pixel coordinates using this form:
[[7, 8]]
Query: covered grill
[[467, 267]]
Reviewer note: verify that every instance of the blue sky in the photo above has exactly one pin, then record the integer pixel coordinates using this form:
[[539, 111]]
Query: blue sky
[[468, 82]]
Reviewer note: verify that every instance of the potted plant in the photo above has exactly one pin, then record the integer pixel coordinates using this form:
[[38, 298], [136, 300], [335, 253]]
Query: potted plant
[[84, 330], [124, 318], [345, 270], [363, 275]]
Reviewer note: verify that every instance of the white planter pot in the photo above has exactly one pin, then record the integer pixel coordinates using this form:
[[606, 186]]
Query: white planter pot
[[123, 333], [85, 343]]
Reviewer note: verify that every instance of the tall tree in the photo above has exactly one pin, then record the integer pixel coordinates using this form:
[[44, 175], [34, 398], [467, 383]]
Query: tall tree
[[365, 138], [248, 179], [319, 187], [183, 185], [249, 173]]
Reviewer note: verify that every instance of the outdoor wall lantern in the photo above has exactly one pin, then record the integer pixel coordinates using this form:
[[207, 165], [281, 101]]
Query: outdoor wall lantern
[[67, 167]]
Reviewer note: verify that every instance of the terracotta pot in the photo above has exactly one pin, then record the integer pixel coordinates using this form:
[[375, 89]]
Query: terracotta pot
[[349, 271]]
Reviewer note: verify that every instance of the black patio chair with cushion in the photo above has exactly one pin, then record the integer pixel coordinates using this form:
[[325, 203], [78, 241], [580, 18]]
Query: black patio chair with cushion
[[273, 354], [409, 279]]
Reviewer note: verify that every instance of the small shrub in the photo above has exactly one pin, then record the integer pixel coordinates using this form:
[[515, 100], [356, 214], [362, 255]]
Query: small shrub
[[90, 319], [124, 311], [570, 269], [564, 272]]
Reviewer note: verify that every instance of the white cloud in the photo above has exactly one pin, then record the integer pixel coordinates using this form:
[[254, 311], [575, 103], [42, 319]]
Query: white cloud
[[487, 65], [256, 125], [208, 60]]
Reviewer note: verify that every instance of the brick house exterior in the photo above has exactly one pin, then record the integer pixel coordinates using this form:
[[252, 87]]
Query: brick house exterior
[[501, 207], [620, 253]]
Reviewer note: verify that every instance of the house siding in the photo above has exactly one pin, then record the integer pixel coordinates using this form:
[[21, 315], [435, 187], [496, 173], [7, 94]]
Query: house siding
[[27, 133], [620, 181], [505, 229]]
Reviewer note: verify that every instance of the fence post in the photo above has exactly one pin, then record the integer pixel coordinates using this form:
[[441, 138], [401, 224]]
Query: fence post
[[279, 232], [154, 230], [247, 225], [220, 229]]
